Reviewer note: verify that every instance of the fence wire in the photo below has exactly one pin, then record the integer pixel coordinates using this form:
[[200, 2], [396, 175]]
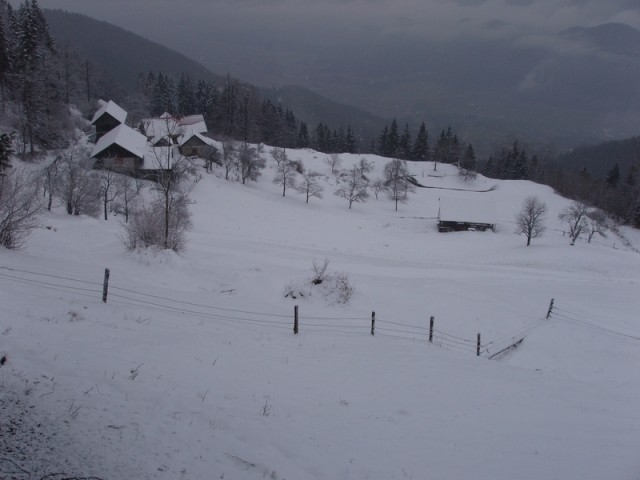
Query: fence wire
[[384, 328]]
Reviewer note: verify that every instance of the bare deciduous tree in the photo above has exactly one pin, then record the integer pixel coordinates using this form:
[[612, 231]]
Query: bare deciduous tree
[[285, 171], [127, 193], [20, 206], [172, 188], [365, 167], [575, 216], [353, 187], [596, 223], [50, 174], [377, 187], [279, 155], [250, 163], [109, 186], [530, 219], [78, 188], [310, 186], [211, 155], [229, 161], [334, 161], [397, 181]]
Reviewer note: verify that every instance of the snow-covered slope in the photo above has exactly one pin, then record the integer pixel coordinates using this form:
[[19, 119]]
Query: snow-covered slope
[[191, 369]]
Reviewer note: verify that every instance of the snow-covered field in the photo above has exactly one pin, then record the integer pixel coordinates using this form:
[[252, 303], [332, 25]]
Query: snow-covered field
[[191, 369]]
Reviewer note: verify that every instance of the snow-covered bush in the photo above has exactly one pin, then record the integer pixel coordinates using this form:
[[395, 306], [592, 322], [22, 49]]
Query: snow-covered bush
[[146, 227], [336, 288]]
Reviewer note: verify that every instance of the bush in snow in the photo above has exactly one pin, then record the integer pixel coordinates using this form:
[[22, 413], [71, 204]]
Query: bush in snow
[[335, 288], [146, 226]]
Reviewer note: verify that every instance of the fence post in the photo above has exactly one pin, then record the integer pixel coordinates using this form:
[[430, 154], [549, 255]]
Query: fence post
[[431, 330], [478, 347], [550, 308], [105, 285], [295, 320], [373, 323]]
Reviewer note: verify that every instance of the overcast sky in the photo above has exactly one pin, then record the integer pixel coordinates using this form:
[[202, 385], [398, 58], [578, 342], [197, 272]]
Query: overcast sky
[[226, 35], [183, 22]]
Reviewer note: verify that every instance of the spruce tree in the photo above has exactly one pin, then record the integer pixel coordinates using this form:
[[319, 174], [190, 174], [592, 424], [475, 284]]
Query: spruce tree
[[393, 140], [5, 63], [350, 141], [383, 142], [521, 167], [469, 159], [404, 145], [303, 136], [613, 176], [421, 145], [186, 96]]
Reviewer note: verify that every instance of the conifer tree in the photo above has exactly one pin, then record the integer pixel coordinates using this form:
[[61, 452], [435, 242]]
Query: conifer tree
[[303, 136], [393, 140], [5, 62], [404, 145], [421, 145], [468, 163], [613, 176], [186, 96], [350, 141], [383, 142]]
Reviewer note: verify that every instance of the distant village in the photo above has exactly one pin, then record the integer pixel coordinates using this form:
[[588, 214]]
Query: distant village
[[150, 147]]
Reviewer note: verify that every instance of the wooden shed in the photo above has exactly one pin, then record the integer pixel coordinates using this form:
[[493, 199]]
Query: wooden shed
[[193, 144], [466, 213]]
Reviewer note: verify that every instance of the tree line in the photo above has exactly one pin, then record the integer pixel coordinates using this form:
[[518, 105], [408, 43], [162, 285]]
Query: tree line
[[236, 110], [618, 193], [39, 80]]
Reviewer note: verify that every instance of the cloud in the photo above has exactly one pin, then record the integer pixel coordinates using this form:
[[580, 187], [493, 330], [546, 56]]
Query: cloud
[[249, 37]]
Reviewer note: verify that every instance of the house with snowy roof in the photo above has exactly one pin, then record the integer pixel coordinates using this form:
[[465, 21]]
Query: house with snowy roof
[[168, 129], [125, 150], [108, 116], [151, 150], [194, 144]]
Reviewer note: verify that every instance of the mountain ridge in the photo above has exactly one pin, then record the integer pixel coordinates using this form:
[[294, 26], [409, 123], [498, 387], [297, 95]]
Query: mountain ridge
[[124, 55]]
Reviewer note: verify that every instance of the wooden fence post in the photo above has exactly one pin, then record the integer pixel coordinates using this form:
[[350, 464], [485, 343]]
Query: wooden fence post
[[550, 308], [295, 320], [373, 323], [478, 347], [105, 285], [431, 330]]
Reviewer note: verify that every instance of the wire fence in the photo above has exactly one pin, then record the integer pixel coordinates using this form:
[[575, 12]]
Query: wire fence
[[365, 326], [572, 316]]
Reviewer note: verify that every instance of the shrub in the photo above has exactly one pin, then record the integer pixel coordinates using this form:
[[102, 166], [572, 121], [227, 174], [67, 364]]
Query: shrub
[[20, 206]]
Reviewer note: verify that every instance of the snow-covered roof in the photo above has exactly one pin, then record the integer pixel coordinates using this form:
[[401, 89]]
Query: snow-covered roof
[[166, 125], [194, 123], [156, 128], [471, 208], [190, 134], [125, 137], [113, 109], [158, 158]]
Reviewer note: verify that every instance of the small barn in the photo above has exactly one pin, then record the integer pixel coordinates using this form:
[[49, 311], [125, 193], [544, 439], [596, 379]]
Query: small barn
[[468, 213], [194, 144], [109, 116]]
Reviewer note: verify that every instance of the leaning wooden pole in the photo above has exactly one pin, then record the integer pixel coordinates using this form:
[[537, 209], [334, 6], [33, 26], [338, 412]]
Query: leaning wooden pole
[[105, 285]]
